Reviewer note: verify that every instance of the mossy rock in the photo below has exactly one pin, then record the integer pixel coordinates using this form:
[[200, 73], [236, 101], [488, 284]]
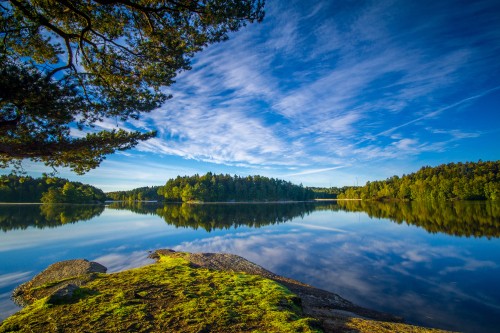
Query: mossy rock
[[59, 279], [169, 296], [192, 293]]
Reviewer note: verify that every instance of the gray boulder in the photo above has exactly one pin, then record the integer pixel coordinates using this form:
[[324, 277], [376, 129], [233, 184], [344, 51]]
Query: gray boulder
[[58, 281]]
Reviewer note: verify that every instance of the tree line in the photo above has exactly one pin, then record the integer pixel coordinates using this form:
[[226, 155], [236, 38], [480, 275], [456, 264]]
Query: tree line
[[453, 181], [328, 192], [15, 188], [211, 187], [147, 193]]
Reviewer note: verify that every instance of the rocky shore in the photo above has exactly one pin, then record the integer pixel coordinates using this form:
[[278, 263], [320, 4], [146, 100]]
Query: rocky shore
[[186, 292]]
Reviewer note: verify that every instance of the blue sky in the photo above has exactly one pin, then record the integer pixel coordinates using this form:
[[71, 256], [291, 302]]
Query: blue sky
[[327, 93]]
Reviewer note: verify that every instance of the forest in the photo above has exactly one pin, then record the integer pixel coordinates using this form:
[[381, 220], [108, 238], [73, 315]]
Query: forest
[[328, 192], [15, 188], [225, 188], [147, 193], [453, 181]]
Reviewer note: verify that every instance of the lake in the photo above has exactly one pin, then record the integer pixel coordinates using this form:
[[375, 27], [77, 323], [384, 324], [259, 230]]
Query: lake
[[433, 264]]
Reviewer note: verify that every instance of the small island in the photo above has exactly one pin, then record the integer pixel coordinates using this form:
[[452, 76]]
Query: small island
[[186, 292]]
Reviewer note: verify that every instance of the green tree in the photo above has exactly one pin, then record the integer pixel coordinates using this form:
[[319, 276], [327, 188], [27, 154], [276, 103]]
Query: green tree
[[53, 195], [69, 64], [35, 118], [187, 193]]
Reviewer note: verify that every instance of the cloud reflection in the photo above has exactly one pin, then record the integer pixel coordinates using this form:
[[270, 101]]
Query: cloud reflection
[[116, 262], [13, 278], [8, 282], [390, 273], [7, 307]]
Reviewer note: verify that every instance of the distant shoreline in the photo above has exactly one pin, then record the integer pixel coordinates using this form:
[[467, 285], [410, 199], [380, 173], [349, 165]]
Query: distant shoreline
[[229, 202], [336, 199], [178, 202]]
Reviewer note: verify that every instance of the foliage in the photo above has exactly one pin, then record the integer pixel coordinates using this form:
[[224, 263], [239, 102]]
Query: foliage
[[13, 217], [151, 193], [35, 118], [224, 188], [68, 64], [453, 181], [47, 190], [172, 295], [327, 192], [138, 194]]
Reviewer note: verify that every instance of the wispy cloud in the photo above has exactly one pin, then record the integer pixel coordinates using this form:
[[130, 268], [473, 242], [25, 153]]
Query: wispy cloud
[[14, 278], [335, 83], [438, 112], [312, 171]]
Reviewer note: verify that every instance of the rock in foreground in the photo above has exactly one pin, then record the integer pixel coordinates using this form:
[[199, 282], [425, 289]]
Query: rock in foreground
[[184, 292], [57, 280]]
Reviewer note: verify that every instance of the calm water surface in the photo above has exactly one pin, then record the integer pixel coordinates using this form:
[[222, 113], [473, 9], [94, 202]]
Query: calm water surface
[[435, 265]]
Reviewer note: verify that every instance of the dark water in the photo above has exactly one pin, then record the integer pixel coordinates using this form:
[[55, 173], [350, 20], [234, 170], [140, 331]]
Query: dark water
[[434, 264]]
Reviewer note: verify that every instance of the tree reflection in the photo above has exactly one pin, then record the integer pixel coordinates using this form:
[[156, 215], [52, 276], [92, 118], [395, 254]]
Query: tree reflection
[[14, 217], [221, 216], [458, 218]]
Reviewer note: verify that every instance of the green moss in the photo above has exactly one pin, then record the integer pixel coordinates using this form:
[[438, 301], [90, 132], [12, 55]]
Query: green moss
[[169, 296]]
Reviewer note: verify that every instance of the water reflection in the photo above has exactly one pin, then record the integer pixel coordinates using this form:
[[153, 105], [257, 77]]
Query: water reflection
[[448, 282], [420, 273], [459, 218], [216, 216], [477, 219], [14, 217]]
